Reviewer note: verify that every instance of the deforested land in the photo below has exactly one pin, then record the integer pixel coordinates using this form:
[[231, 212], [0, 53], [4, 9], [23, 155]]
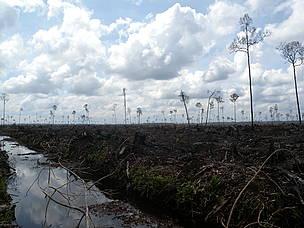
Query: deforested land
[[211, 176]]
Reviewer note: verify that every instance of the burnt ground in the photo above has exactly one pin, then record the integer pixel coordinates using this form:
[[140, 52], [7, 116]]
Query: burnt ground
[[216, 176], [6, 209]]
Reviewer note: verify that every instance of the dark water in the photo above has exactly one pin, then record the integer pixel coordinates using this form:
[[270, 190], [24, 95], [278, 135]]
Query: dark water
[[32, 181]]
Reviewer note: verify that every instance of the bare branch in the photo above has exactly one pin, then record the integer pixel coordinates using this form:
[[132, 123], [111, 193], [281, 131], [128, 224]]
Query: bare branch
[[293, 52], [250, 36]]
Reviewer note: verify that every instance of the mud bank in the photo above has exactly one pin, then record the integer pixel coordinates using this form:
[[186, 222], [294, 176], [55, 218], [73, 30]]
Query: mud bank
[[6, 209], [217, 176]]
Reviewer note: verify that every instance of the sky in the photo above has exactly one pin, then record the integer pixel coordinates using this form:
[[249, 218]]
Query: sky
[[75, 52]]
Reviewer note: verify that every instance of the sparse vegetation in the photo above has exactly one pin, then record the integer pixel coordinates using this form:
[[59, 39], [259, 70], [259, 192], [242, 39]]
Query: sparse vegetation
[[195, 173]]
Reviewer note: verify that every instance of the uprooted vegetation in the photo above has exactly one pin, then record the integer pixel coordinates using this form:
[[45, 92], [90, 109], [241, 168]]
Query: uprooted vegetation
[[221, 176]]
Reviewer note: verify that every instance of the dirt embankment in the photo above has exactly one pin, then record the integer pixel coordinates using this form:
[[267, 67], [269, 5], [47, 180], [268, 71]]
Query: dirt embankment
[[6, 209], [220, 176]]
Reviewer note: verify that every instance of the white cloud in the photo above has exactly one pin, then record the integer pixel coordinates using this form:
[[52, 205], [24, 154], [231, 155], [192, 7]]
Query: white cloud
[[84, 83], [67, 57], [223, 17], [290, 28], [8, 15], [219, 69], [24, 84], [78, 59], [11, 51], [28, 5], [173, 40]]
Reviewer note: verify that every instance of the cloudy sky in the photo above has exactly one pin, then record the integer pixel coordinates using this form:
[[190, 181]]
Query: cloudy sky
[[72, 52]]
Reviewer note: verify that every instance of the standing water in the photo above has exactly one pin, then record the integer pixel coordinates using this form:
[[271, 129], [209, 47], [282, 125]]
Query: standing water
[[46, 195]]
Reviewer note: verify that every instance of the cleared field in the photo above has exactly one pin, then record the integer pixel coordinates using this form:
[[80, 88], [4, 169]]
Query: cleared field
[[217, 175]]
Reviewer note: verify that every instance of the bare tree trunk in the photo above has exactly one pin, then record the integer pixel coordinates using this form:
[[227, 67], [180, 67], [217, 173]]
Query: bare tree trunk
[[186, 109], [234, 107], [250, 82], [4, 111], [125, 104], [296, 88], [207, 115], [218, 112]]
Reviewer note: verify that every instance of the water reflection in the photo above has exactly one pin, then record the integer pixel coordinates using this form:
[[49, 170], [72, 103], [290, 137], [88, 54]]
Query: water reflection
[[34, 184]]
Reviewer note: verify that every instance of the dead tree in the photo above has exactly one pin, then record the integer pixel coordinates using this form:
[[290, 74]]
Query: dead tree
[[74, 115], [20, 114], [219, 100], [86, 108], [54, 107], [200, 107], [233, 99], [293, 52], [51, 116], [139, 113], [202, 115], [184, 98], [211, 106], [125, 103], [248, 37], [276, 109], [208, 105]]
